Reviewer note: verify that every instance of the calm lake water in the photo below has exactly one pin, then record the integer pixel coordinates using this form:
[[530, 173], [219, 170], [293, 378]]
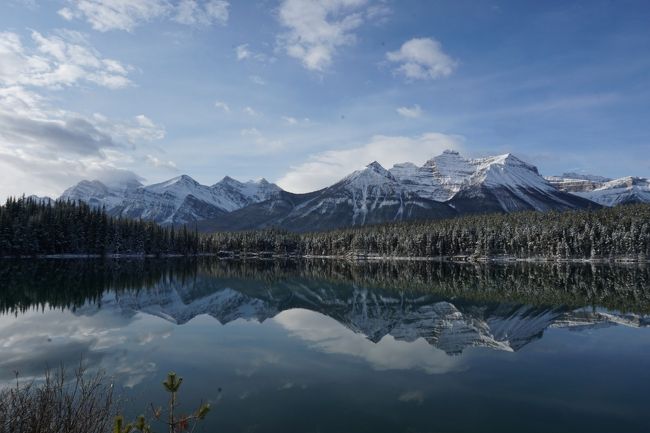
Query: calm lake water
[[338, 347]]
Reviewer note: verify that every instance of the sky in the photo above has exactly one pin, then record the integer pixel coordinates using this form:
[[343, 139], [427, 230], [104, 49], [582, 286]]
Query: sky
[[302, 92]]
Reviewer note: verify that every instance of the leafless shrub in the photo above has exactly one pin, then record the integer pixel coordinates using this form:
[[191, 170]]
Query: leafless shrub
[[61, 403]]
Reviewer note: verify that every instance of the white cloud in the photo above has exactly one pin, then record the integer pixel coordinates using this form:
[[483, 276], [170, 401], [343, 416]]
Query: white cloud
[[222, 105], [192, 12], [43, 149], [290, 120], [325, 168], [261, 143], [250, 111], [257, 80], [422, 59], [56, 61], [412, 112], [105, 15], [156, 162], [244, 52], [318, 28]]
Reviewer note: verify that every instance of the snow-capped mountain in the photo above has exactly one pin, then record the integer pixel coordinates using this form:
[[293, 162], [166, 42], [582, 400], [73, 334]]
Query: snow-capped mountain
[[236, 194], [444, 186], [499, 183], [439, 178], [451, 327], [180, 200], [604, 191], [368, 196]]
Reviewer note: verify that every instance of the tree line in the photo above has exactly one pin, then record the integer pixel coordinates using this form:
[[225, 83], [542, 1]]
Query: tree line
[[30, 227], [33, 227], [621, 232]]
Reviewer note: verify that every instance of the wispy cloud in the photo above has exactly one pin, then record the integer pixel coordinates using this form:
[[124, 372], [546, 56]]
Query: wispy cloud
[[192, 12], [126, 15], [422, 59], [244, 52], [222, 106], [156, 162], [256, 79], [412, 112], [260, 142], [58, 60], [290, 120]]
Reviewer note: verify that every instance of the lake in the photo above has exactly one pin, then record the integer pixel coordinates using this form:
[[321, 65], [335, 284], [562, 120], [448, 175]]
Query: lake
[[329, 346]]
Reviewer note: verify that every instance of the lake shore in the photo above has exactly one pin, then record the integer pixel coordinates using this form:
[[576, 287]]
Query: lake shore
[[231, 255]]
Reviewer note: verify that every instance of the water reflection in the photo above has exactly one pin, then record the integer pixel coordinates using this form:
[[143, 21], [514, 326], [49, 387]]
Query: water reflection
[[386, 344]]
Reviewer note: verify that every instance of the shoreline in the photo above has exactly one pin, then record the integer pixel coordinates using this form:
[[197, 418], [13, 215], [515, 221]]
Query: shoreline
[[348, 257]]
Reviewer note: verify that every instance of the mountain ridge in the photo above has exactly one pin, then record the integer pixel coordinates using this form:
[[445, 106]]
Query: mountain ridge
[[444, 186]]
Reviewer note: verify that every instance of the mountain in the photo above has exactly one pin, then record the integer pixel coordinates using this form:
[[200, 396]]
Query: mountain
[[451, 326], [180, 200], [501, 183], [604, 191], [368, 196], [447, 185], [439, 179]]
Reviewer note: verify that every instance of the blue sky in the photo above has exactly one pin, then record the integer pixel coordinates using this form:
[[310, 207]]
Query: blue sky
[[303, 91]]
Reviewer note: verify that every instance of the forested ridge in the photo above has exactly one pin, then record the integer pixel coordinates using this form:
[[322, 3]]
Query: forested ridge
[[35, 227], [32, 227], [621, 232]]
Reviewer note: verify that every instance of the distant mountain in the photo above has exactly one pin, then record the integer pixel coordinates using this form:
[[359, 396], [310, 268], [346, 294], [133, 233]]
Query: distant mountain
[[369, 196], [180, 200], [604, 191], [501, 183], [445, 186]]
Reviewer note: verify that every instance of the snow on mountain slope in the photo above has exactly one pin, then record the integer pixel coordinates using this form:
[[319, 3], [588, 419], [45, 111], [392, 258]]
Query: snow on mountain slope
[[236, 194], [515, 185], [180, 200], [439, 178], [497, 183], [619, 191], [445, 186], [96, 193], [574, 184], [368, 196]]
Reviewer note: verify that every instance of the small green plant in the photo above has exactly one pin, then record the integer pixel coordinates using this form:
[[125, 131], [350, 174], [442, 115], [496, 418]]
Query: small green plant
[[174, 423]]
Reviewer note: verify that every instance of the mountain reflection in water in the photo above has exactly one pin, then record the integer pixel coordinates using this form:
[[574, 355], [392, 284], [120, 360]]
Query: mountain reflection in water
[[346, 347], [451, 306]]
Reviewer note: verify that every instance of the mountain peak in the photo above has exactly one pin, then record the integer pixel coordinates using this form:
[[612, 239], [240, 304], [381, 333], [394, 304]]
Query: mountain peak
[[182, 179], [374, 165], [227, 180]]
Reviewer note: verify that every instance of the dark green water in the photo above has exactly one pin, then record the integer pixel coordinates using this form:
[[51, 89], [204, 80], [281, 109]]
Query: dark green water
[[335, 347]]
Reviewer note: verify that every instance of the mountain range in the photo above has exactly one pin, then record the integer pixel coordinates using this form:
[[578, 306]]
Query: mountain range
[[445, 186], [449, 325]]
